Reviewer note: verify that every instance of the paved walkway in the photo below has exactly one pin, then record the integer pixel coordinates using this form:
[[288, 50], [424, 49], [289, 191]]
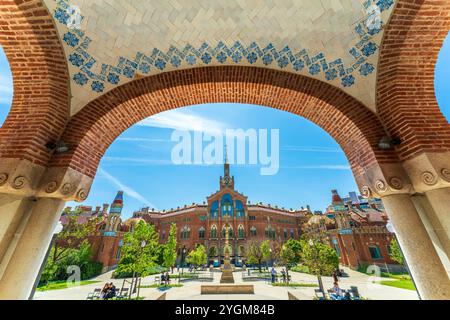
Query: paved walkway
[[263, 291]]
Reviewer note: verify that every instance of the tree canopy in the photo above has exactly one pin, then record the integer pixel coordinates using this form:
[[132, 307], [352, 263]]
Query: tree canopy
[[319, 258], [197, 257], [396, 253], [258, 253], [140, 250], [170, 248]]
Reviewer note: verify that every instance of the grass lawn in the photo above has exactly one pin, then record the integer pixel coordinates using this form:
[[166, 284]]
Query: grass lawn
[[304, 285], [402, 284], [58, 285]]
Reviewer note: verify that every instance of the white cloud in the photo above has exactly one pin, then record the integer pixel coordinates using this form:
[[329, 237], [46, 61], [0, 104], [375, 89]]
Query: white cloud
[[126, 189], [179, 120], [311, 149]]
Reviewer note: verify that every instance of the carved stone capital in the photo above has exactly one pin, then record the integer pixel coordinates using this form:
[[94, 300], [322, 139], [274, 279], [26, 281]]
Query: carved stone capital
[[65, 183], [20, 177], [382, 180], [429, 171]]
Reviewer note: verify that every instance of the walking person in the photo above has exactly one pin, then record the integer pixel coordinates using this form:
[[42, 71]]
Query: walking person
[[283, 275], [273, 273], [335, 276]]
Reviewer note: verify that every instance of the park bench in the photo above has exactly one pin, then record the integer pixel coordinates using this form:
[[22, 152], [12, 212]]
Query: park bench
[[123, 293], [95, 294], [320, 294]]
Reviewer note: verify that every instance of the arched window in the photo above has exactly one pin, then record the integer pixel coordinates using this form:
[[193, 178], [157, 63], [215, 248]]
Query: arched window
[[375, 252], [213, 252], [240, 213], [185, 233], [201, 233], [241, 232], [285, 233], [253, 231], [292, 234], [214, 211], [214, 231], [227, 205], [230, 232], [270, 233]]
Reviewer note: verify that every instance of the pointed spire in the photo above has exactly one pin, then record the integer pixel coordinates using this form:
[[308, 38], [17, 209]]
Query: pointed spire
[[117, 205], [226, 166], [226, 153]]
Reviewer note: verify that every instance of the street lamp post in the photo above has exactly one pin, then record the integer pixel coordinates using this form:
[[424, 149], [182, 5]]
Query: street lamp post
[[183, 257]]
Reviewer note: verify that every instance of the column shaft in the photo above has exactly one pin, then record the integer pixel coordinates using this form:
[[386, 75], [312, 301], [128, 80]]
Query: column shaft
[[424, 263], [33, 240], [439, 215]]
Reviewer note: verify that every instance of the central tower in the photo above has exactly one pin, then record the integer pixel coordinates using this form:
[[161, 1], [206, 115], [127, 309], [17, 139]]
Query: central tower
[[226, 181]]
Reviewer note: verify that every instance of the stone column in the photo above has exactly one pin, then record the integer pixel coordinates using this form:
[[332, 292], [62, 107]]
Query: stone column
[[26, 256], [439, 215], [424, 263], [12, 210], [430, 176]]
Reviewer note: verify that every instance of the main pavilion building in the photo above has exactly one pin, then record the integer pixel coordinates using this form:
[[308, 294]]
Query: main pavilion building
[[206, 224]]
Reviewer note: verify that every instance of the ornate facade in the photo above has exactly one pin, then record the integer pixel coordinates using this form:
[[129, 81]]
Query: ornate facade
[[356, 228]]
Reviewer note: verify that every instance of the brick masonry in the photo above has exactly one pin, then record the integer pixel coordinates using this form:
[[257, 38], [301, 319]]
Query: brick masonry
[[96, 126], [406, 103], [40, 109], [406, 100]]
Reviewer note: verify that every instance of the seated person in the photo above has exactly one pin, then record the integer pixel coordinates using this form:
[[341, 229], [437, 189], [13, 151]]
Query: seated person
[[104, 290], [167, 278], [337, 292]]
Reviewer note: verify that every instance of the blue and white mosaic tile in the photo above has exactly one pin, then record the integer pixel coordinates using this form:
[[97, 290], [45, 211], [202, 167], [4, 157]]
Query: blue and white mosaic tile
[[314, 64]]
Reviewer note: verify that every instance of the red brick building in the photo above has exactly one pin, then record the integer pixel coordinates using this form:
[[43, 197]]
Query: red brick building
[[356, 228], [205, 223]]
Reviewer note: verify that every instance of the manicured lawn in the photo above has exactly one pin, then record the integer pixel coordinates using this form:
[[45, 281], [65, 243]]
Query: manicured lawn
[[58, 285], [402, 284], [304, 285]]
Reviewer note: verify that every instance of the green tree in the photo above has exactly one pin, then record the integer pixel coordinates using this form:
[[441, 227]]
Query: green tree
[[396, 253], [320, 259], [71, 247], [257, 254], [296, 247], [81, 257], [170, 249], [197, 257], [72, 236], [139, 251], [287, 257]]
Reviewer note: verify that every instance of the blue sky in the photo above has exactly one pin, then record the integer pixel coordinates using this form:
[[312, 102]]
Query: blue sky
[[139, 161]]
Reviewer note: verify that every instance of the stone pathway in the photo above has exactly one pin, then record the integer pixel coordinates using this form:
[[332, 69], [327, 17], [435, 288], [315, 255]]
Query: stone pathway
[[263, 291]]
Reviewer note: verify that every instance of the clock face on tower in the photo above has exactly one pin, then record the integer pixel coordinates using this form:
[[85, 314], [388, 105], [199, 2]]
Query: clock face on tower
[[226, 180]]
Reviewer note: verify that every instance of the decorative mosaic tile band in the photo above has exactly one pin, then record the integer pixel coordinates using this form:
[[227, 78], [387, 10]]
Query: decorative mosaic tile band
[[206, 54]]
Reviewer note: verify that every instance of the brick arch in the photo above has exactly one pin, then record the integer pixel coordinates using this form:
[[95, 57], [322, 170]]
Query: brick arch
[[406, 100], [40, 107], [97, 125]]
